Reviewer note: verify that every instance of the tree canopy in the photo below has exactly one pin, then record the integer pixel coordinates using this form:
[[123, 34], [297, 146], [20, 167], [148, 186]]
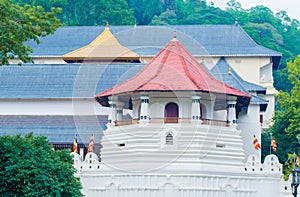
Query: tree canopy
[[19, 24], [29, 167], [92, 12]]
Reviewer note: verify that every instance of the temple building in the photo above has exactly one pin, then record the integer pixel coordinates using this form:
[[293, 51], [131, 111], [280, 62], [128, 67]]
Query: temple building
[[182, 139], [176, 118], [171, 98], [127, 44]]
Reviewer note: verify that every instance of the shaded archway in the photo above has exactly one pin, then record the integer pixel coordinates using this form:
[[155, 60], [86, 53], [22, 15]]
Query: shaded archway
[[171, 113]]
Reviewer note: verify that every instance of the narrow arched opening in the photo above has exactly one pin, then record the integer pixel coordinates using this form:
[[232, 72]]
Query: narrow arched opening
[[169, 139], [171, 113]]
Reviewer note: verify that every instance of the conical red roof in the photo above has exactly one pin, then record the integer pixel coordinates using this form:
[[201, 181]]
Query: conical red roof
[[173, 69]]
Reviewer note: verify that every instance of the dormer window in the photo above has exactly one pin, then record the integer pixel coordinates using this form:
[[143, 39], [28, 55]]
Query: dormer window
[[169, 139]]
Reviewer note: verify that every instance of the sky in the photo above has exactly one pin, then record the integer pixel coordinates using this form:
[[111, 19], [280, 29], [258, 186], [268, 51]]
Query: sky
[[290, 6]]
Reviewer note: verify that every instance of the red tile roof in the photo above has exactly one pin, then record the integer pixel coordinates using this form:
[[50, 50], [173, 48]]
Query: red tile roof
[[173, 69]]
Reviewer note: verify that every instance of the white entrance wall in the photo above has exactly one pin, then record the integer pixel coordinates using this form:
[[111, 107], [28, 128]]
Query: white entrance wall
[[255, 180]]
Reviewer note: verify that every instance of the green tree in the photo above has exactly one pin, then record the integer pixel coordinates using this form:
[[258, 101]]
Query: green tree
[[92, 12], [265, 34], [281, 81], [234, 5], [19, 24], [262, 14], [289, 165], [286, 127], [145, 10], [192, 12], [46, 4], [116, 12], [29, 167], [166, 18]]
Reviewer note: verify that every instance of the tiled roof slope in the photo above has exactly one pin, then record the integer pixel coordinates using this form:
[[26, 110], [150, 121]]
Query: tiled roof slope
[[58, 129], [173, 69], [223, 72], [215, 40], [62, 81]]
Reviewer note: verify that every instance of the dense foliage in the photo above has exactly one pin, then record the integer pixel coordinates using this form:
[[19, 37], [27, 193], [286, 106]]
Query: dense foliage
[[29, 167], [19, 24], [91, 12]]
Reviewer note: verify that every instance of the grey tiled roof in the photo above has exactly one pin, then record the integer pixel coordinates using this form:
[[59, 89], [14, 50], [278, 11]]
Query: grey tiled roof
[[86, 80], [62, 81], [58, 129], [215, 40], [220, 72]]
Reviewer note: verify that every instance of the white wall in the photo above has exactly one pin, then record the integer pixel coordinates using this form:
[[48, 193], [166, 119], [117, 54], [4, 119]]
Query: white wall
[[266, 73], [249, 123], [42, 60], [87, 106], [220, 115], [268, 114], [260, 180], [249, 67]]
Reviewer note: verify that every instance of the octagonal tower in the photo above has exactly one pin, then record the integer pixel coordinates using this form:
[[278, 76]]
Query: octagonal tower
[[182, 118]]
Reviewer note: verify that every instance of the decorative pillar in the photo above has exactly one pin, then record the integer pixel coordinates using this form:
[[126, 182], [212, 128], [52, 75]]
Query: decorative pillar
[[112, 116], [144, 115], [81, 153], [196, 111], [120, 106], [231, 112]]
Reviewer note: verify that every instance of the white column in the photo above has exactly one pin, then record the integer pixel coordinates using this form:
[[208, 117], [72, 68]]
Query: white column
[[112, 116], [81, 153], [231, 113], [120, 106], [144, 115], [209, 104], [196, 111]]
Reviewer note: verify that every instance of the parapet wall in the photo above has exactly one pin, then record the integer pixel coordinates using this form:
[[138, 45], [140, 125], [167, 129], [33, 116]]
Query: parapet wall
[[258, 180], [270, 165]]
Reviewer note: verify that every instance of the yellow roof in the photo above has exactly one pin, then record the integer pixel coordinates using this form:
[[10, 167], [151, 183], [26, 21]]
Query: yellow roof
[[104, 47]]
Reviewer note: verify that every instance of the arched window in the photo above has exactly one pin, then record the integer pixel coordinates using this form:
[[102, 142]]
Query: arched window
[[169, 139], [171, 113]]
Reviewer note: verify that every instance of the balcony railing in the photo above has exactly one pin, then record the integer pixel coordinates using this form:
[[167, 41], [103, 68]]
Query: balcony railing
[[173, 121], [215, 122], [126, 122]]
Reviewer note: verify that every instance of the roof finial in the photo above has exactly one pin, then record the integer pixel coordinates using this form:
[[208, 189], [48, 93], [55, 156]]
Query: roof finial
[[174, 36], [229, 70], [107, 24]]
